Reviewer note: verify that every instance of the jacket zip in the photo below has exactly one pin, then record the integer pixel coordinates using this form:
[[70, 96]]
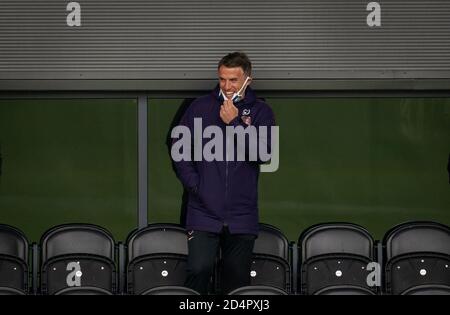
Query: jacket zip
[[226, 179]]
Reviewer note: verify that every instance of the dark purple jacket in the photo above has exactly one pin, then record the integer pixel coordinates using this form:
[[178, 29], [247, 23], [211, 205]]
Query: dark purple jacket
[[223, 192]]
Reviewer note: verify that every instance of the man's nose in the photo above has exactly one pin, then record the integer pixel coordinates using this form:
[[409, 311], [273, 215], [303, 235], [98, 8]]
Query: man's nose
[[227, 85]]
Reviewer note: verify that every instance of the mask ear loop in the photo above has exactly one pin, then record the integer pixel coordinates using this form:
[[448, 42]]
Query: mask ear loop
[[244, 86], [241, 90], [223, 95]]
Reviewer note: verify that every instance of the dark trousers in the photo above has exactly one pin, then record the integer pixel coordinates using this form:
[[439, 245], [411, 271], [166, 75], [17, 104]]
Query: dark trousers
[[236, 258]]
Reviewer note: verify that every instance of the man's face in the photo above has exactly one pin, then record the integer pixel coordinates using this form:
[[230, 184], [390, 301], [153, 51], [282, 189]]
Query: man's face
[[231, 80]]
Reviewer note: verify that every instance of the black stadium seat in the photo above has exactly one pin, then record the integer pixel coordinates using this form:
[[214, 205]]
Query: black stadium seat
[[270, 262], [77, 258], [13, 261], [271, 259], [418, 259], [334, 257], [157, 256]]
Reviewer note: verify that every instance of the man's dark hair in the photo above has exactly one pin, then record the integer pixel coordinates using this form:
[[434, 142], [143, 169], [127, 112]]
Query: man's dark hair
[[237, 59]]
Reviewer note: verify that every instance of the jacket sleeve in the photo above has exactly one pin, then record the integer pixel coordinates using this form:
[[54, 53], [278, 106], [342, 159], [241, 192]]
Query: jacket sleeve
[[185, 169], [265, 118]]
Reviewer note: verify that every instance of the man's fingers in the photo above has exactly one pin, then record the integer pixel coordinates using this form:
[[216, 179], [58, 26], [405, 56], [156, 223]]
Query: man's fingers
[[223, 116], [229, 103]]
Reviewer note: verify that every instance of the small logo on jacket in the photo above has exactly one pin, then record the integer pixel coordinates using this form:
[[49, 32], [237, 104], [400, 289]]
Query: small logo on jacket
[[247, 120], [190, 235], [245, 117]]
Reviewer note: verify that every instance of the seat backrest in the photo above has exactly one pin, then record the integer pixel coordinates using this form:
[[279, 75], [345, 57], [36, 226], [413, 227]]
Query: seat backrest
[[157, 256], [271, 241], [77, 255], [417, 236], [344, 290], [170, 290], [417, 258], [258, 290], [334, 259], [329, 238], [271, 264], [158, 238], [11, 291], [83, 291], [77, 238], [13, 242], [13, 260], [428, 290]]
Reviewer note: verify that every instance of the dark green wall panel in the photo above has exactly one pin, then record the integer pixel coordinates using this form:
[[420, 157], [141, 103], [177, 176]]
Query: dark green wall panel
[[165, 190], [372, 161], [68, 161], [376, 162]]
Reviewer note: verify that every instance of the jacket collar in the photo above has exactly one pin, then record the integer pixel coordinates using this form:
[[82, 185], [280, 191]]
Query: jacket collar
[[249, 98]]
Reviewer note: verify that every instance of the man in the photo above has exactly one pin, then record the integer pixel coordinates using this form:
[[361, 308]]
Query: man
[[222, 210]]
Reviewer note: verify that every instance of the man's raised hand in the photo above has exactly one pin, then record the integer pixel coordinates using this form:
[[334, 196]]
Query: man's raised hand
[[228, 111]]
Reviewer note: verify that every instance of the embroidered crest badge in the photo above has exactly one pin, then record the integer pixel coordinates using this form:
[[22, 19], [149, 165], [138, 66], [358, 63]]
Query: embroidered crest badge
[[247, 120]]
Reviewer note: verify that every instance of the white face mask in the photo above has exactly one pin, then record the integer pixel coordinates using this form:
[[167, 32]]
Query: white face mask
[[238, 95]]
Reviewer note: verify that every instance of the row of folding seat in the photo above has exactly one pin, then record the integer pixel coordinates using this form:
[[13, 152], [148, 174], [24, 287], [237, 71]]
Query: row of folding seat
[[329, 258]]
